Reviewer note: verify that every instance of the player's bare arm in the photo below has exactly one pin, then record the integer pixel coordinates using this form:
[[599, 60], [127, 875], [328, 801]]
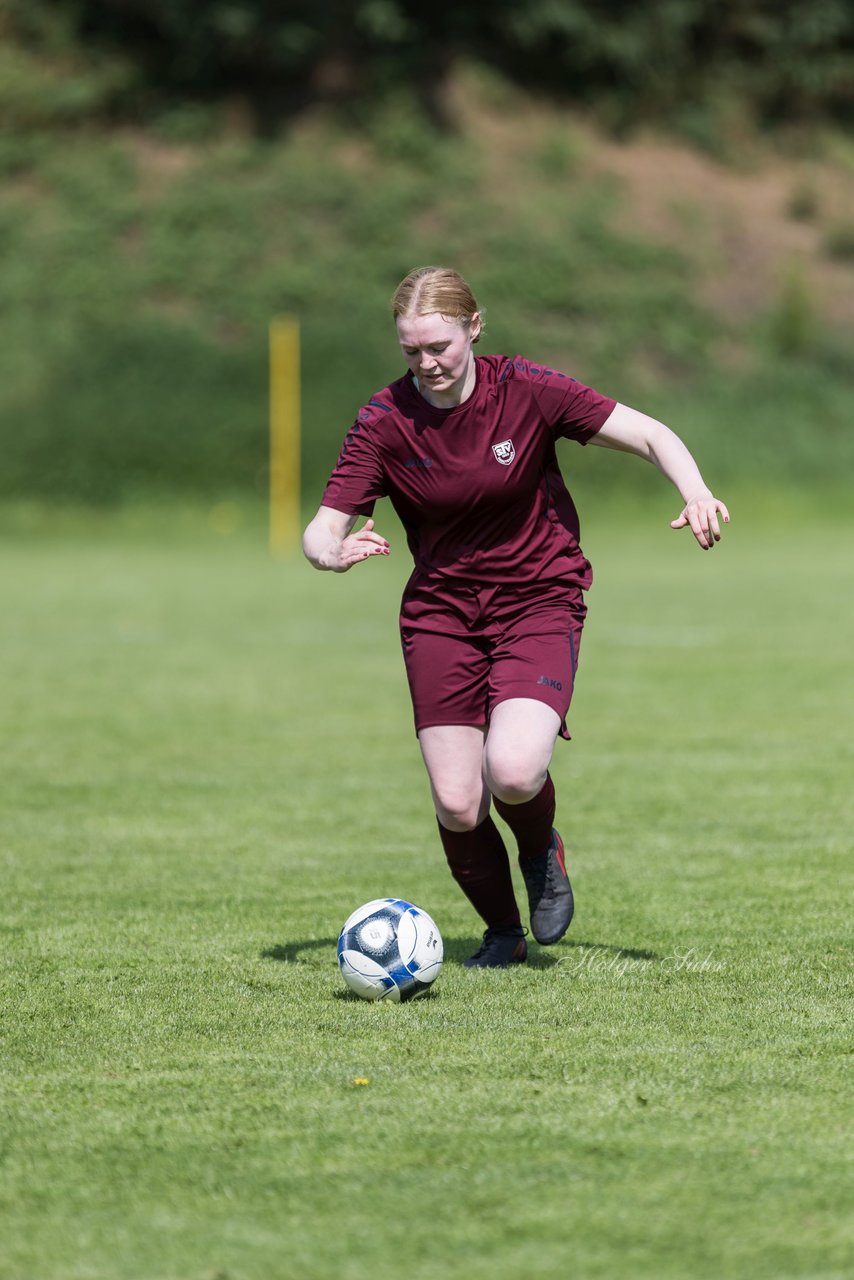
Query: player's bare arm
[[630, 431], [329, 541]]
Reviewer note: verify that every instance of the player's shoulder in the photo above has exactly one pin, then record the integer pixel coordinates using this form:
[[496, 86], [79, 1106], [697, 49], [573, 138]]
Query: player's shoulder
[[491, 369], [521, 369]]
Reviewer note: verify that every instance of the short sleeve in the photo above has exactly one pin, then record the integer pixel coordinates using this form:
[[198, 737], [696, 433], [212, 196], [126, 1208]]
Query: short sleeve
[[358, 478], [572, 410]]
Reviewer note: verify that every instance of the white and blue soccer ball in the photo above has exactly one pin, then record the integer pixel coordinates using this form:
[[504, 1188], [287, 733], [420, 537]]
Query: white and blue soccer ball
[[389, 950]]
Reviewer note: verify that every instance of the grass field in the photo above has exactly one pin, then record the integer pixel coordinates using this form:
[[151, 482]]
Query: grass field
[[208, 761]]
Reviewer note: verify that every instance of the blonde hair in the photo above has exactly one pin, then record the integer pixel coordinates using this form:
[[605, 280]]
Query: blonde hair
[[430, 290]]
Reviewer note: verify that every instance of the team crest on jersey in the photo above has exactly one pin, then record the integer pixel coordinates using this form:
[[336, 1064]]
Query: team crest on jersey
[[504, 452]]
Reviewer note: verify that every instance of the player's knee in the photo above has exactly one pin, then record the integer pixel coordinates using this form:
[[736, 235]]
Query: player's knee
[[514, 780], [457, 808]]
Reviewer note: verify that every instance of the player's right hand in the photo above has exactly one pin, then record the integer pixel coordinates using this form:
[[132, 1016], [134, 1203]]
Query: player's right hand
[[700, 514], [359, 546]]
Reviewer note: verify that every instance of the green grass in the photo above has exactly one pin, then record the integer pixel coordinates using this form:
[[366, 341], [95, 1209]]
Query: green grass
[[208, 761]]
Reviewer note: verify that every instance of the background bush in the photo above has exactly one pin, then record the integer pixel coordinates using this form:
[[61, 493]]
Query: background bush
[[784, 58], [147, 239]]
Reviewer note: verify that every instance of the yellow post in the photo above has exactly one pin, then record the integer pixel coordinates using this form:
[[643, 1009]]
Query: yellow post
[[284, 435]]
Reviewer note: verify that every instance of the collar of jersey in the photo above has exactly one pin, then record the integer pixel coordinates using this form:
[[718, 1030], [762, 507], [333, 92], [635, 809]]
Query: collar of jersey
[[454, 408]]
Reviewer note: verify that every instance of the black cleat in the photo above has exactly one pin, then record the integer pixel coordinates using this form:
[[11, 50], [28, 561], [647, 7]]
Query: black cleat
[[550, 898], [500, 948]]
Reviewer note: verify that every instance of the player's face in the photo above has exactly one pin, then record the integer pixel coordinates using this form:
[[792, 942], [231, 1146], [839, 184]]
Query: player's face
[[439, 353]]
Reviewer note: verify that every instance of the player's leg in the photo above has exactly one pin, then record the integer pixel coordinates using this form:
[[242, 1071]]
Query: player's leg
[[448, 671], [453, 755], [531, 683], [472, 843], [518, 749], [519, 745]]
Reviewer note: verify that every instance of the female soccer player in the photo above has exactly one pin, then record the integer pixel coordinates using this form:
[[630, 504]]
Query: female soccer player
[[491, 617]]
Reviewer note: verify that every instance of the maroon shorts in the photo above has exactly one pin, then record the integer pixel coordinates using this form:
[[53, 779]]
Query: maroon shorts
[[468, 648]]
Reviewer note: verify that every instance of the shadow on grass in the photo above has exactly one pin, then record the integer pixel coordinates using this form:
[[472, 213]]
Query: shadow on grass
[[458, 950], [291, 952]]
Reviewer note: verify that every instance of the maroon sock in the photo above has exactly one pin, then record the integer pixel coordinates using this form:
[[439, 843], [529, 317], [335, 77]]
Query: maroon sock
[[480, 866], [531, 822]]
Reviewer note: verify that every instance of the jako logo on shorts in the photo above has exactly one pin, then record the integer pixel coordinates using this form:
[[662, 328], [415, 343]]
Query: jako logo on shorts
[[504, 452]]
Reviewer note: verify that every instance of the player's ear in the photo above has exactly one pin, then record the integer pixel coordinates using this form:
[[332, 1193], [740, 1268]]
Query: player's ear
[[474, 327]]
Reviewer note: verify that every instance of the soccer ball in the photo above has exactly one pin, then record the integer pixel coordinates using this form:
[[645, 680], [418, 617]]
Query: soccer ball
[[389, 950]]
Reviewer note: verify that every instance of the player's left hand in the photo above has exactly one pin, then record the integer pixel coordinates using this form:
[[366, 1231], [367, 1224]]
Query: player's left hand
[[702, 515]]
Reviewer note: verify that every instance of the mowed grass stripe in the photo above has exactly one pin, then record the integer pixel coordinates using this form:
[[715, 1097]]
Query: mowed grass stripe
[[208, 761]]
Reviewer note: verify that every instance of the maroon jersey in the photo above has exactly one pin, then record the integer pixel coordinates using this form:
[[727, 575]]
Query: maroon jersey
[[477, 487]]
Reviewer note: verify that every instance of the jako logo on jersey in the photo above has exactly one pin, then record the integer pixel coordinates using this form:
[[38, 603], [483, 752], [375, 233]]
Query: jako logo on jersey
[[420, 462], [504, 452], [552, 684]]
